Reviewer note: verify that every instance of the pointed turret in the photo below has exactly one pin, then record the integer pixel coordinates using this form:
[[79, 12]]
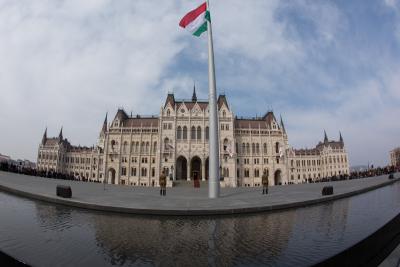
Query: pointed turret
[[340, 137], [325, 137], [282, 125], [44, 138], [194, 96], [60, 136], [104, 128]]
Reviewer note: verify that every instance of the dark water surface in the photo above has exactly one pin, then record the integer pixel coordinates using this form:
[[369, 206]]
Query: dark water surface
[[43, 234]]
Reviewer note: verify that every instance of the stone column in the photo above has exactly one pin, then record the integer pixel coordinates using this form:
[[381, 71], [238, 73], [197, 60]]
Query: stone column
[[203, 169]]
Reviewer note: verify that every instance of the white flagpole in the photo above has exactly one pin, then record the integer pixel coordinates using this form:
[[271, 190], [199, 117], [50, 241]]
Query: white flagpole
[[213, 180]]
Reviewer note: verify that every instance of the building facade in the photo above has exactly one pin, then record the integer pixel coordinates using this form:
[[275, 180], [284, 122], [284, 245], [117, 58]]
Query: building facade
[[133, 150], [395, 157]]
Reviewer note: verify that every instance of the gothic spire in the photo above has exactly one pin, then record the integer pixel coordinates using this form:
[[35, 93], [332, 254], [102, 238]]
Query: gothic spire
[[60, 136], [194, 97], [282, 125], [104, 128], [44, 138], [340, 137], [325, 137]]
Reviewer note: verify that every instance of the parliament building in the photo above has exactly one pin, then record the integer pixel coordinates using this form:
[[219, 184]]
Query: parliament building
[[133, 150]]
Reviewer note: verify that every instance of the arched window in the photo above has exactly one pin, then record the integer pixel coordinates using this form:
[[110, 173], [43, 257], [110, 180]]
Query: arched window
[[265, 148], [257, 148], [193, 133], [166, 143], [237, 148], [253, 148], [137, 147], [243, 148], [168, 113], [144, 172], [179, 133], [207, 133], [142, 147], [198, 133], [147, 147], [277, 147], [226, 144], [223, 114], [155, 147], [248, 148], [113, 144], [184, 133], [125, 147]]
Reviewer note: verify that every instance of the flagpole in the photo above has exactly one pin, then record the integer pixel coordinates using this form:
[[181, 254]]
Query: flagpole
[[213, 180]]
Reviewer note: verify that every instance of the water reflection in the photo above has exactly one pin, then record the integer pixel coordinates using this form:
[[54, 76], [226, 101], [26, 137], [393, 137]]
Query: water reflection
[[168, 241], [47, 235]]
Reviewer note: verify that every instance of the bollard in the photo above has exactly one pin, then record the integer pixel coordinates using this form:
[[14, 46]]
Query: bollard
[[64, 191], [327, 190]]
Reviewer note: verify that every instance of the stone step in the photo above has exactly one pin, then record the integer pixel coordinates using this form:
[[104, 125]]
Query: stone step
[[189, 183]]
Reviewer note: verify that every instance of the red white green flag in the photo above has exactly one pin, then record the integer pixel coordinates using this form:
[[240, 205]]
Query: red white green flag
[[196, 20]]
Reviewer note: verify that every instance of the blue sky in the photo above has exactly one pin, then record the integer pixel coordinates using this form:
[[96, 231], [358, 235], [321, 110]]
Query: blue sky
[[331, 65]]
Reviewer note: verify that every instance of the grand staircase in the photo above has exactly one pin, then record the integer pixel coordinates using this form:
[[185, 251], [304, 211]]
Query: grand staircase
[[182, 183]]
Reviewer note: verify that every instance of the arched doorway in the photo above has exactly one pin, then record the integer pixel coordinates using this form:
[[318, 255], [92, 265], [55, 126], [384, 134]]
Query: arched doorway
[[195, 168], [181, 168], [111, 176], [278, 177], [207, 168]]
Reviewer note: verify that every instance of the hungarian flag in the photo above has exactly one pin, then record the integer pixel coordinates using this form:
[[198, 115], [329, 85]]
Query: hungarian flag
[[196, 20]]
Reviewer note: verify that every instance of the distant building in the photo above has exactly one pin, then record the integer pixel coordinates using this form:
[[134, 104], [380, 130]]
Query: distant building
[[395, 157], [133, 150], [4, 158]]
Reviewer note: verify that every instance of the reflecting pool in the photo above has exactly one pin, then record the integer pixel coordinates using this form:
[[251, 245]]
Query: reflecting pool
[[44, 234]]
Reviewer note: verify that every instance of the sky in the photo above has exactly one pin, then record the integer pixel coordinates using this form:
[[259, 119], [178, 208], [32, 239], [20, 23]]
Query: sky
[[321, 64]]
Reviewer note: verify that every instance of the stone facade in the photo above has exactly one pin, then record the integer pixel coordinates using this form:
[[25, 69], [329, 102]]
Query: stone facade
[[395, 157], [133, 150]]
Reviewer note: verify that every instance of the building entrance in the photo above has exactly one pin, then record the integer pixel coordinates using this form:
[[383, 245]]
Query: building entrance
[[181, 168], [195, 168], [278, 177]]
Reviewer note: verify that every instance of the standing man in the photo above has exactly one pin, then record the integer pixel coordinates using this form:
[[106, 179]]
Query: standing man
[[163, 183], [265, 182]]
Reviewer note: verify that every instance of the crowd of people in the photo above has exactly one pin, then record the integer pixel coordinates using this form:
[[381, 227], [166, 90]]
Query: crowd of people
[[9, 167], [370, 172]]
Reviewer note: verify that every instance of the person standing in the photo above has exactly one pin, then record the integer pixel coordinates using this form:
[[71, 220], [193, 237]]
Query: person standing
[[265, 182], [163, 183]]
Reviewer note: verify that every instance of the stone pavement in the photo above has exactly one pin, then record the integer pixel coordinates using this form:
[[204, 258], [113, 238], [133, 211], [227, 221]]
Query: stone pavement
[[183, 200]]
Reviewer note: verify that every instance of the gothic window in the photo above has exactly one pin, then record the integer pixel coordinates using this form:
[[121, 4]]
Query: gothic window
[[248, 148], [124, 147], [243, 148], [144, 172], [147, 147], [199, 133], [153, 172], [253, 148], [277, 147], [123, 171], [166, 143], [226, 143], [223, 114], [137, 147], [184, 133], [257, 148], [142, 148], [179, 133], [133, 171], [193, 133], [256, 173], [155, 147], [113, 144], [132, 147], [246, 173], [237, 148], [168, 113], [207, 133]]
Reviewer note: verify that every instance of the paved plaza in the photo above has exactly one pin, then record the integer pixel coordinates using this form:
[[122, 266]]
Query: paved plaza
[[183, 200]]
